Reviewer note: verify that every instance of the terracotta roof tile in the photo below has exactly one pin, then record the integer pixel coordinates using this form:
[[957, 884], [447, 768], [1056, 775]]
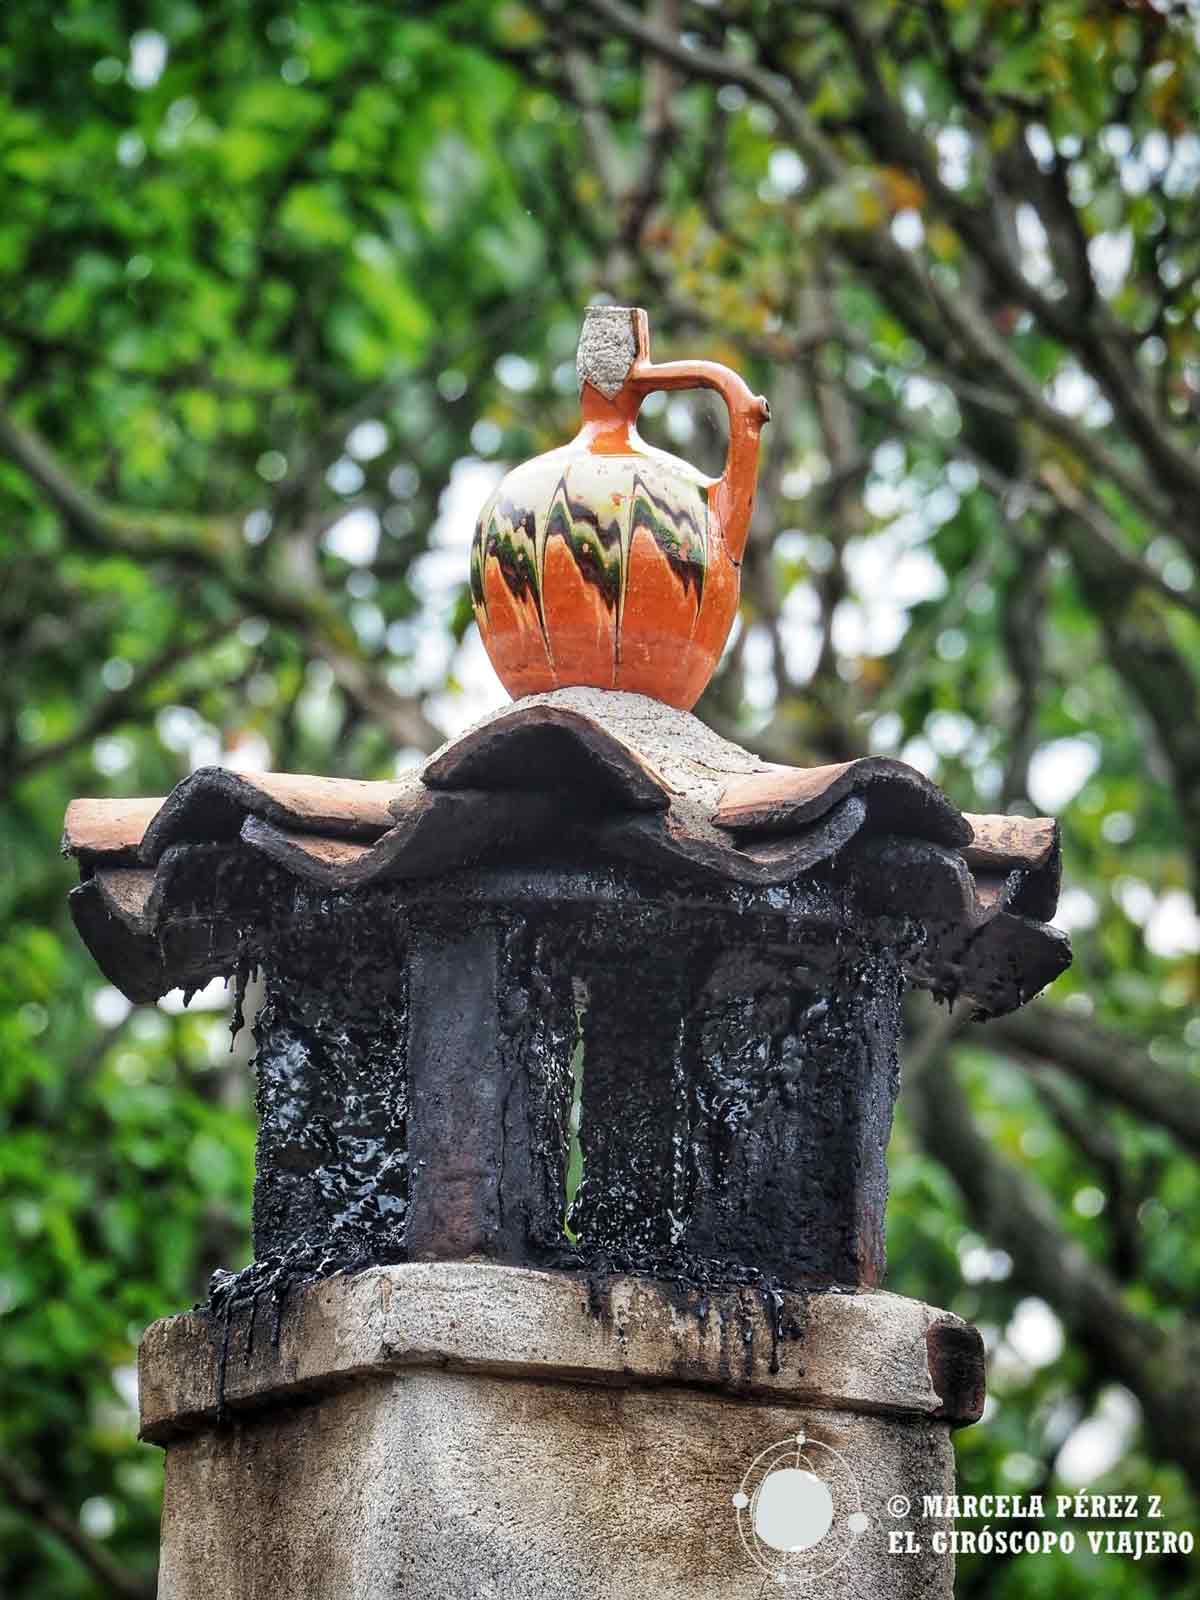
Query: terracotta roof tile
[[433, 832], [1027, 845], [999, 843], [130, 893], [212, 802], [900, 799], [531, 747], [110, 828], [581, 778]]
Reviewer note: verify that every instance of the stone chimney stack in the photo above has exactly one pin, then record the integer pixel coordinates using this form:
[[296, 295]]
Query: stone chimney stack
[[576, 1071], [576, 1068]]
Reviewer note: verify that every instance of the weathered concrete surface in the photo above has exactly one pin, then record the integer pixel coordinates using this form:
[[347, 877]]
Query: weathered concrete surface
[[870, 1352], [466, 1430], [463, 1486]]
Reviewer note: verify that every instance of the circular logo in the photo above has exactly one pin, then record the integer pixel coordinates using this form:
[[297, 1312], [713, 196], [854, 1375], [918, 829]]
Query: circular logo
[[799, 1511]]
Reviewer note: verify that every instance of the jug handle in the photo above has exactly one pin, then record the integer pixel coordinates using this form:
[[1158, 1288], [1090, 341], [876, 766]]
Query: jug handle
[[733, 493]]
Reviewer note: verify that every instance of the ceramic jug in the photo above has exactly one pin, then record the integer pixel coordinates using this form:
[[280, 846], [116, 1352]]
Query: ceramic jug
[[608, 562]]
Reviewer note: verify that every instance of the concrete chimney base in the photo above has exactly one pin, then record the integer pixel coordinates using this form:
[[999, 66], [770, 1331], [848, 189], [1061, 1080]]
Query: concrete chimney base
[[465, 1430]]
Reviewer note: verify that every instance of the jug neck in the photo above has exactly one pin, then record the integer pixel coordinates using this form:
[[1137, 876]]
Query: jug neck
[[609, 426]]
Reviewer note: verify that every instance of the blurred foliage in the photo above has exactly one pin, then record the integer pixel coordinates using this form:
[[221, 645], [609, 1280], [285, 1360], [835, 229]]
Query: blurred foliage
[[282, 283]]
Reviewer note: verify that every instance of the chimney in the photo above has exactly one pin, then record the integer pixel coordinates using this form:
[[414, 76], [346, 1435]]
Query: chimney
[[576, 1068]]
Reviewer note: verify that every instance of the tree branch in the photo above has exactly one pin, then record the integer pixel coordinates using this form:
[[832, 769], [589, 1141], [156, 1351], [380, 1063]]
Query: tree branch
[[658, 132], [1153, 670], [131, 533], [1081, 321], [1022, 631], [1015, 498], [713, 67], [1108, 1062], [1159, 1367], [892, 264], [31, 1498], [117, 705], [1077, 1118], [216, 548]]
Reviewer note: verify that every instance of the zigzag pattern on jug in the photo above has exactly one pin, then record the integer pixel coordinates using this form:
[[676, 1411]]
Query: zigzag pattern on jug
[[601, 551]]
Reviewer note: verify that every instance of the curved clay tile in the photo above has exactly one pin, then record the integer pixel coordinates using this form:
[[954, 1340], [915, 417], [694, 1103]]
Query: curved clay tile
[[109, 829], [533, 747], [465, 827], [132, 895], [575, 781], [673, 845], [434, 832], [679, 753], [1000, 843], [899, 800], [212, 803], [131, 960], [1029, 845], [975, 943]]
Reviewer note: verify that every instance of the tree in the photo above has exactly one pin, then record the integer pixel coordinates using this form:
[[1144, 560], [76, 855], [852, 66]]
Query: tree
[[284, 285]]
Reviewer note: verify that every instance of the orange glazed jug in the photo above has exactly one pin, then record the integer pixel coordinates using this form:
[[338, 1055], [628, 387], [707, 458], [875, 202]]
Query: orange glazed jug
[[608, 562]]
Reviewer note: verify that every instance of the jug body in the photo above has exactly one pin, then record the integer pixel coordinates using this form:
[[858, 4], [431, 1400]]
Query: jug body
[[608, 562]]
